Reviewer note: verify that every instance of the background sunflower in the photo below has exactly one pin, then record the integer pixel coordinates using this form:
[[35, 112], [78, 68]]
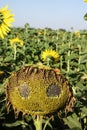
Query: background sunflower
[[6, 18], [50, 56]]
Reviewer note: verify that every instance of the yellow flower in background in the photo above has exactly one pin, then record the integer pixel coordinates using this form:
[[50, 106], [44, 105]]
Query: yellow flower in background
[[16, 40], [77, 33], [51, 54], [5, 21], [85, 0]]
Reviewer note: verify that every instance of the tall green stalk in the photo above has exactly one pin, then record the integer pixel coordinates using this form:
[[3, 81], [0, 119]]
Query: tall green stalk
[[68, 61], [15, 51], [79, 47], [79, 60]]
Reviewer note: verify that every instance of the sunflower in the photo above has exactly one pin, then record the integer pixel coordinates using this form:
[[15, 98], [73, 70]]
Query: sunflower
[[5, 21], [37, 91], [85, 0], [50, 55], [77, 34], [16, 40]]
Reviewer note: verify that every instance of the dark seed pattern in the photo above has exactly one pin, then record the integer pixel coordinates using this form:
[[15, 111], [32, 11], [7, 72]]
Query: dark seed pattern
[[24, 90], [53, 90]]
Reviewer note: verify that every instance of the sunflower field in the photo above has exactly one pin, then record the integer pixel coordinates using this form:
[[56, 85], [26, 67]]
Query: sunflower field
[[65, 51], [72, 50]]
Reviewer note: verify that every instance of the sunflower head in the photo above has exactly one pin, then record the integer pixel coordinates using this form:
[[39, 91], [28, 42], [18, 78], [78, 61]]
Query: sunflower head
[[17, 41], [77, 34], [85, 0], [6, 18], [50, 56], [37, 91]]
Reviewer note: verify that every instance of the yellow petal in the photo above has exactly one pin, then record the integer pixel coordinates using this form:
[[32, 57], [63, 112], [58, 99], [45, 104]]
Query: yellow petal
[[6, 27], [4, 8], [4, 30], [1, 34]]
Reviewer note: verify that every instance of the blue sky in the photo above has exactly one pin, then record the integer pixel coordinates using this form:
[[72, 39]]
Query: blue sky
[[53, 14]]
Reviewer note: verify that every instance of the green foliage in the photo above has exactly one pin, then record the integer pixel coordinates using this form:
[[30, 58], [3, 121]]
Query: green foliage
[[85, 16], [73, 122]]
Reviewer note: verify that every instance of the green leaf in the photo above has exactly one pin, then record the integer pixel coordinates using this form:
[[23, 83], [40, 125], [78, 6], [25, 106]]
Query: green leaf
[[73, 122], [15, 124], [85, 16]]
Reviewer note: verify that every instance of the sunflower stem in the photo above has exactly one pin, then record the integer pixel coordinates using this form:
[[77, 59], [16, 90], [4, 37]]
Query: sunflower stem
[[49, 61], [61, 62], [15, 51], [68, 62], [38, 123], [79, 60]]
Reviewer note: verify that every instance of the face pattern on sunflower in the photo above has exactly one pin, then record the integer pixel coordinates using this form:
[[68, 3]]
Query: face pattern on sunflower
[[37, 91]]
